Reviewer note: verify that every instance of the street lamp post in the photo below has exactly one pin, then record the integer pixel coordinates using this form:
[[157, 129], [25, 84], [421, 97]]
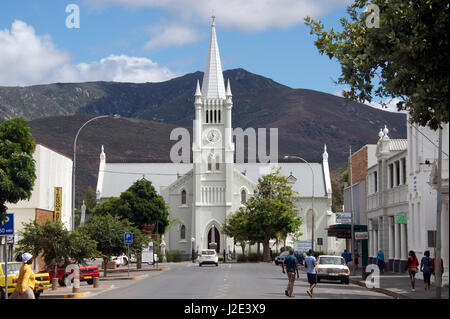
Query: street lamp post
[[75, 161], [312, 201]]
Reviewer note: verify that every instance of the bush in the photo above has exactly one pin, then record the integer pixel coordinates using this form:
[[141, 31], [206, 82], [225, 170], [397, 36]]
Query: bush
[[254, 257], [174, 256], [242, 258]]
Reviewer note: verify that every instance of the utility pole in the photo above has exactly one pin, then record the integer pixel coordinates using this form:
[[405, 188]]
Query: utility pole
[[352, 251], [437, 263]]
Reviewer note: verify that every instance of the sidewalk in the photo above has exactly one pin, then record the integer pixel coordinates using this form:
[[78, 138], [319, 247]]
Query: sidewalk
[[89, 290], [398, 285]]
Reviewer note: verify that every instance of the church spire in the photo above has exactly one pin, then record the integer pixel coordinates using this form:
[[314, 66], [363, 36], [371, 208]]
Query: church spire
[[213, 86]]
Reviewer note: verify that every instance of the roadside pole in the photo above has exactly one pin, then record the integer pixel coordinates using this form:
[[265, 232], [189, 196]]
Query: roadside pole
[[128, 260], [128, 239], [6, 268], [352, 251], [437, 262]]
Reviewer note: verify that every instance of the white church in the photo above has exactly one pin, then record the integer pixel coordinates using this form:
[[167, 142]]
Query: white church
[[201, 194]]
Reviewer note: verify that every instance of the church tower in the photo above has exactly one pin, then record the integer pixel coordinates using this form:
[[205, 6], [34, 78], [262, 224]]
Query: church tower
[[213, 150]]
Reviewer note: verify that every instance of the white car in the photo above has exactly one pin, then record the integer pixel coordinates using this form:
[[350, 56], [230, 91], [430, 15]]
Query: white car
[[332, 268], [208, 256], [120, 260]]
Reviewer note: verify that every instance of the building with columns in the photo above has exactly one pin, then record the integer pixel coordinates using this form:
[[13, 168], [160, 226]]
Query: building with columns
[[422, 192], [201, 194], [387, 202]]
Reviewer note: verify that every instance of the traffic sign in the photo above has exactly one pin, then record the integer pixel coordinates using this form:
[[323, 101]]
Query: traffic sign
[[128, 238], [7, 228]]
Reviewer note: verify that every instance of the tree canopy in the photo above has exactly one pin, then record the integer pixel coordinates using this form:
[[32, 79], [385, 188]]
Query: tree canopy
[[404, 56], [56, 243], [140, 204], [268, 213], [109, 231], [17, 166]]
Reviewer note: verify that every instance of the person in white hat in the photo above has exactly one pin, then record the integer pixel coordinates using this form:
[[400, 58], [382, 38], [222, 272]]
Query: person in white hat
[[26, 280]]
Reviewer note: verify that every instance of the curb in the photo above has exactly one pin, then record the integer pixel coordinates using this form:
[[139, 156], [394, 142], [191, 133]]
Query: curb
[[123, 278], [380, 290], [65, 296]]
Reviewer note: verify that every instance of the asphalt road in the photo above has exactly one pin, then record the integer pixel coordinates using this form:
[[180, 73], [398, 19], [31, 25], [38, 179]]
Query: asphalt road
[[228, 281]]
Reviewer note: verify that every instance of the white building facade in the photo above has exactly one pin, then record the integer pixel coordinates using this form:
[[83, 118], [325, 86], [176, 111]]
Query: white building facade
[[201, 194], [52, 170], [387, 202], [422, 193]]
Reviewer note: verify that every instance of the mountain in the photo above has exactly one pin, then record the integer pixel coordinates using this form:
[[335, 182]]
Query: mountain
[[306, 119]]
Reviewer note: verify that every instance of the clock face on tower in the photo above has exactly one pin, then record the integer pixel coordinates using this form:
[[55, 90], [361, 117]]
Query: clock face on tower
[[212, 136]]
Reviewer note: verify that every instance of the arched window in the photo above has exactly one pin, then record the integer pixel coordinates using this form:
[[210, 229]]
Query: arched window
[[209, 164], [183, 197], [207, 116], [182, 232], [243, 196]]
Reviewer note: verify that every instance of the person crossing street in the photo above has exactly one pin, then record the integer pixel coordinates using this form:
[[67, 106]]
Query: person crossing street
[[310, 264], [291, 268]]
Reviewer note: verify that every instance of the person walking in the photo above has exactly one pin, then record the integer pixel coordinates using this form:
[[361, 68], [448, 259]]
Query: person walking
[[26, 280], [433, 262], [426, 266], [380, 260], [310, 264], [412, 266], [291, 268], [347, 256]]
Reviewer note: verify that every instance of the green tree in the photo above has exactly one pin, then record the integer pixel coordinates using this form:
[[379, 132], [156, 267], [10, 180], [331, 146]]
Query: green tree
[[271, 209], [338, 196], [140, 204], [90, 200], [56, 243], [17, 167], [235, 226], [405, 56], [109, 232]]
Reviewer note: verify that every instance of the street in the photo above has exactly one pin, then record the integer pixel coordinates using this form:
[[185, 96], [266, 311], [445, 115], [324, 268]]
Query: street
[[227, 281]]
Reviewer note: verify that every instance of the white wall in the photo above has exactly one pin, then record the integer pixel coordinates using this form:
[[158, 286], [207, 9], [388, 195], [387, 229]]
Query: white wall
[[52, 170]]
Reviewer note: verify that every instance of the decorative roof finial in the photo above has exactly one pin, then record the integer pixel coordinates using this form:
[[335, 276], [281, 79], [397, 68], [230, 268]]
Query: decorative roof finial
[[213, 17]]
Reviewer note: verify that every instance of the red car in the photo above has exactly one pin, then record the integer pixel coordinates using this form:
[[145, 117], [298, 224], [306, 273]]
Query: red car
[[87, 273]]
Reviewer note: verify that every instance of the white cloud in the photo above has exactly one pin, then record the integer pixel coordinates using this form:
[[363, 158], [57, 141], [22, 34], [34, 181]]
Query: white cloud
[[163, 37], [248, 15], [388, 105], [28, 59]]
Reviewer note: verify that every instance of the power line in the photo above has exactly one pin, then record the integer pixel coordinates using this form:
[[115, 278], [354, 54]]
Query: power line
[[428, 139]]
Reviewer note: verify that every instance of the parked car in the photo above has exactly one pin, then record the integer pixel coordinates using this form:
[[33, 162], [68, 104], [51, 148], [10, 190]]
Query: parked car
[[42, 279], [87, 273], [332, 268], [280, 258], [120, 260], [208, 256], [145, 260]]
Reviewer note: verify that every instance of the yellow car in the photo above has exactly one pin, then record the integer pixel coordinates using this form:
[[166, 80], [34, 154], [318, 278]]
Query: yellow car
[[42, 279]]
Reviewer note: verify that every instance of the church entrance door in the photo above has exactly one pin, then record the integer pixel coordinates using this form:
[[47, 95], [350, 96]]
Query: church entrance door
[[214, 237]]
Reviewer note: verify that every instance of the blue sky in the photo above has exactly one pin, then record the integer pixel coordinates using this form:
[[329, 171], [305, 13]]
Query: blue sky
[[155, 40]]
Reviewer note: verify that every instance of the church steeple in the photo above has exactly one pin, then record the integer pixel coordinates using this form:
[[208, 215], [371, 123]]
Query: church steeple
[[213, 86]]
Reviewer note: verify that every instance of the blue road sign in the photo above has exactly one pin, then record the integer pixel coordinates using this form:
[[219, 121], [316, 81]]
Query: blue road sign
[[128, 238], [7, 228]]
